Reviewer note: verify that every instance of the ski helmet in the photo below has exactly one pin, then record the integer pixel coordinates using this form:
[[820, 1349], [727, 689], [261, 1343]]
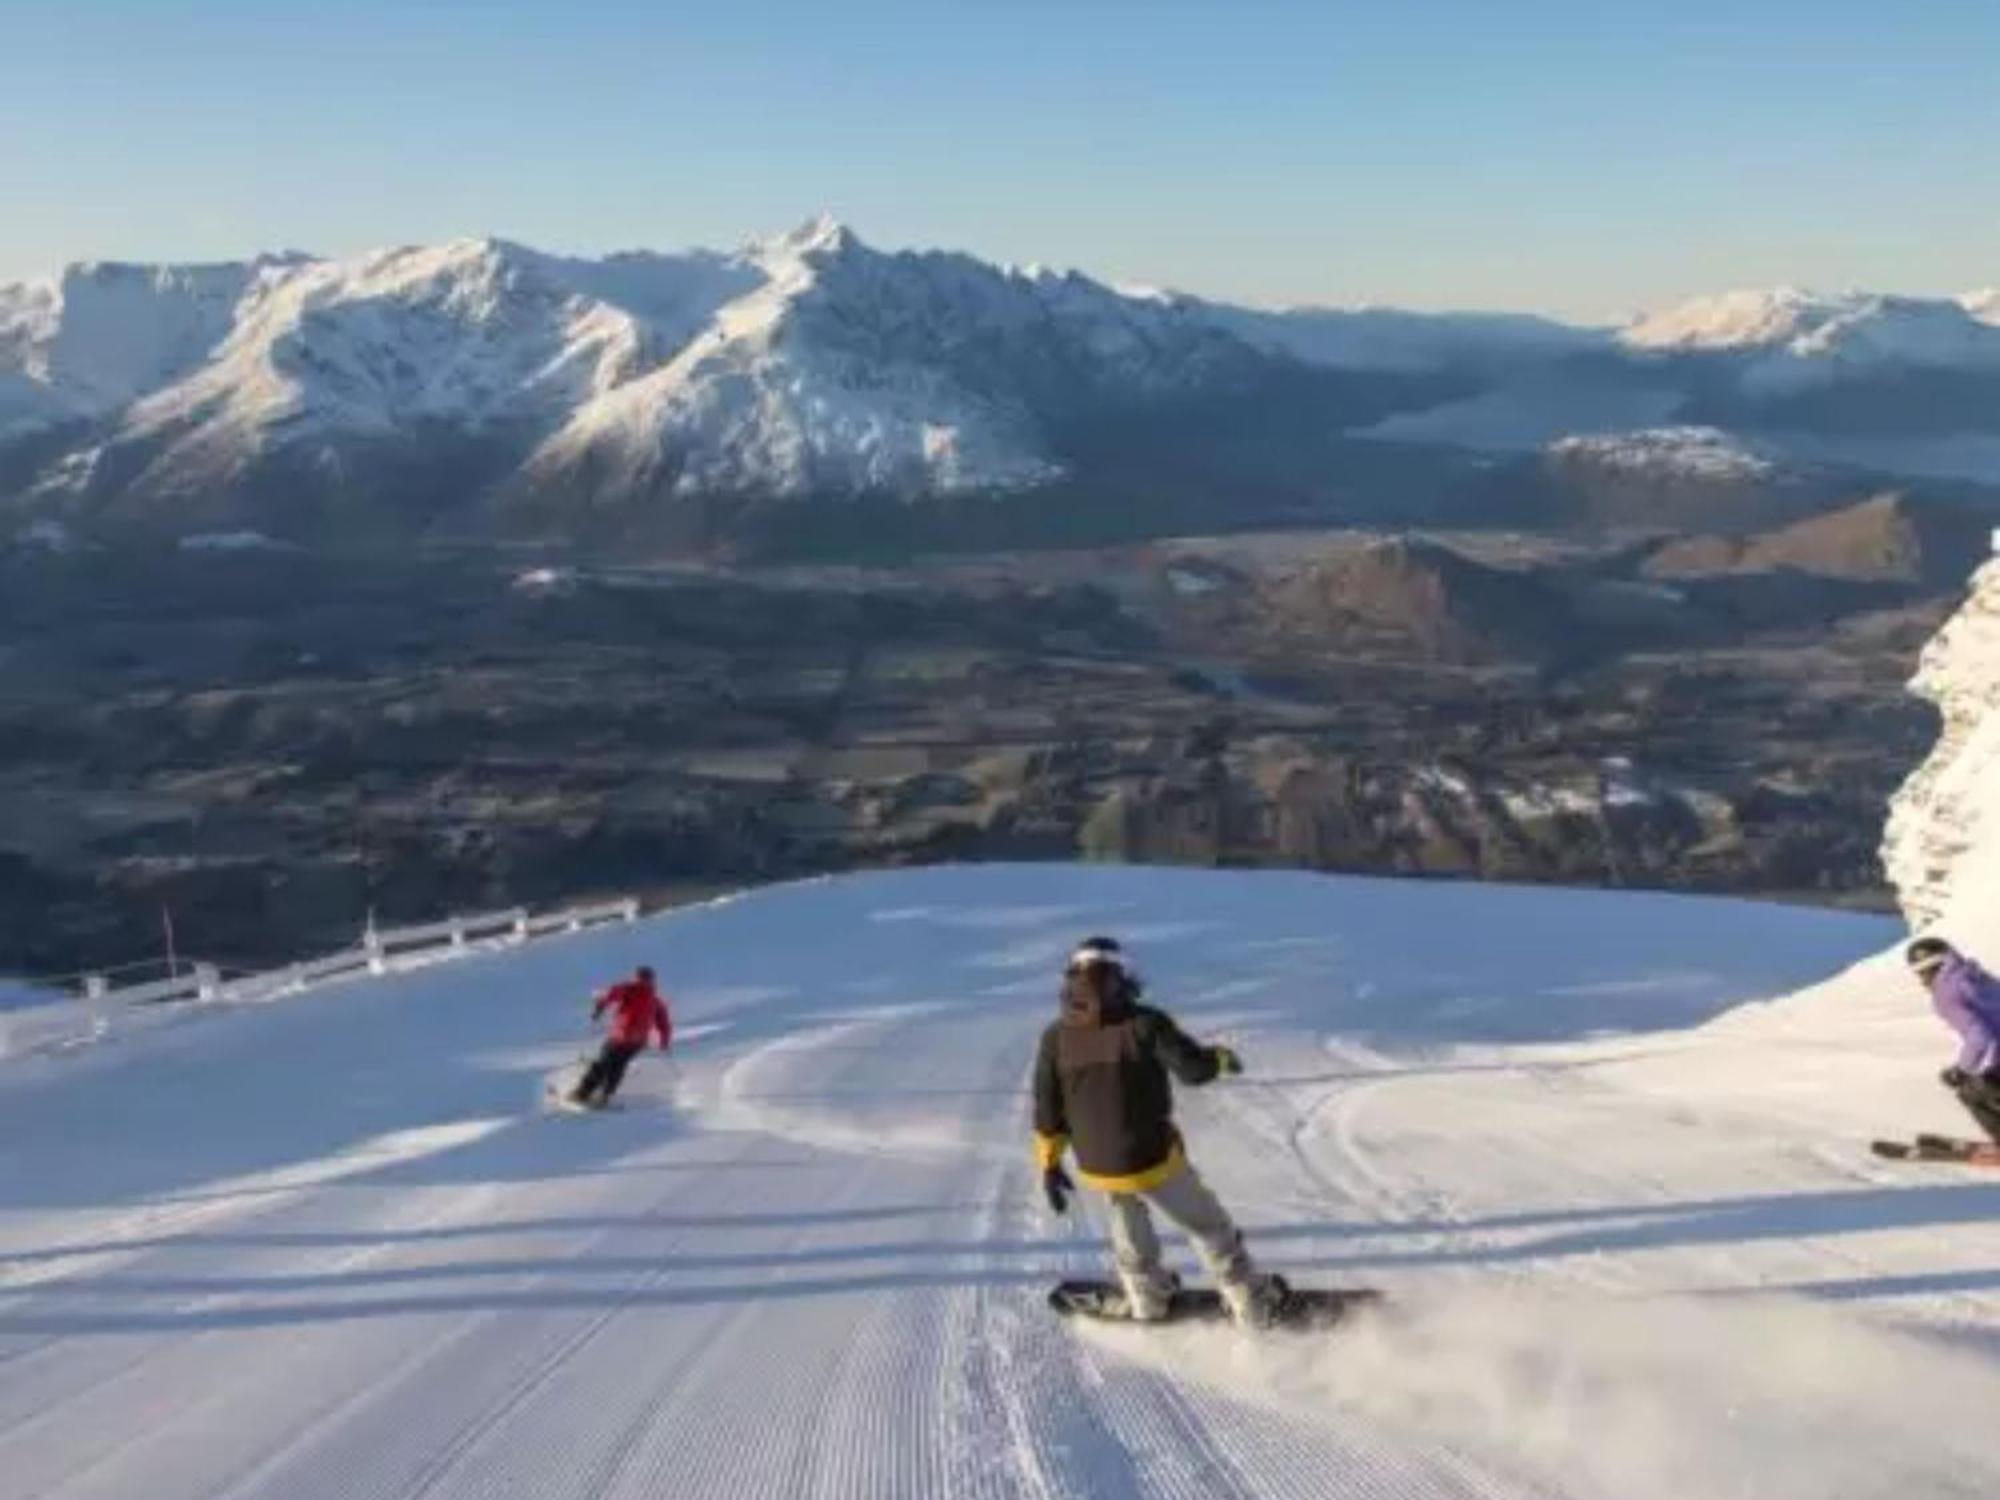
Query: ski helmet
[[1926, 954]]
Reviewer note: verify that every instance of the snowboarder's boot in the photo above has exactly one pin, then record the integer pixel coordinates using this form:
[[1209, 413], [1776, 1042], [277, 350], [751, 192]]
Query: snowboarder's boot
[[1257, 1302], [1149, 1296]]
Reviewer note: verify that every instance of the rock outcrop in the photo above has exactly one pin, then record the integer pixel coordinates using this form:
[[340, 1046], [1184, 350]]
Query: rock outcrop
[[1941, 847]]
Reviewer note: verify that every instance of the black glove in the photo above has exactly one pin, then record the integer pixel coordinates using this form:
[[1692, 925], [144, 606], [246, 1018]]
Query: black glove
[[1057, 1187], [1952, 1077], [1227, 1063]]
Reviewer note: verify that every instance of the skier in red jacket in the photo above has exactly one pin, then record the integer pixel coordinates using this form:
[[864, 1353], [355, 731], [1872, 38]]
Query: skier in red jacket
[[637, 1012]]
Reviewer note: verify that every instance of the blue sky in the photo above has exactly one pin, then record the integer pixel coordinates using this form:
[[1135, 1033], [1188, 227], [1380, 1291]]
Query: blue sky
[[1580, 158]]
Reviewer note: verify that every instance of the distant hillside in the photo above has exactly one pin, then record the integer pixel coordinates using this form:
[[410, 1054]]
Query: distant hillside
[[1890, 538], [1407, 596]]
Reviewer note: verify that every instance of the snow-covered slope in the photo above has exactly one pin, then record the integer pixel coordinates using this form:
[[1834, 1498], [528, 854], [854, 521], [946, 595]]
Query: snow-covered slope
[[1696, 453], [1800, 338], [101, 336], [1942, 844], [327, 1247], [849, 371]]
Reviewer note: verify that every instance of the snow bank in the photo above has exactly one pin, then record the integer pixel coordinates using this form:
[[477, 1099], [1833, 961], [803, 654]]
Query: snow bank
[[1942, 843]]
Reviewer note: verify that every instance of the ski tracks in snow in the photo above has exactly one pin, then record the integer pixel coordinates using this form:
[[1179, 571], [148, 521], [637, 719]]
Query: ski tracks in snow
[[814, 1265]]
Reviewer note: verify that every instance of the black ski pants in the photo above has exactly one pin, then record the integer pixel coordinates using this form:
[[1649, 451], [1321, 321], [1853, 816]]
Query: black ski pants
[[607, 1071], [1980, 1094]]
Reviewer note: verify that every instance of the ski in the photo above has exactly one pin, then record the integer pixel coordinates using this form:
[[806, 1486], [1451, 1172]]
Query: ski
[[567, 1107], [1296, 1307], [1939, 1148]]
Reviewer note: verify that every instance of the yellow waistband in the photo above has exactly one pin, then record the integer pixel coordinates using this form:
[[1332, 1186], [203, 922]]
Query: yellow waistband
[[1138, 1182]]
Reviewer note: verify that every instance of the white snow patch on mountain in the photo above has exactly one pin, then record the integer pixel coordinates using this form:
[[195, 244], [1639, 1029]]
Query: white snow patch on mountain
[[469, 332], [1733, 320], [1983, 305], [102, 335], [1806, 337], [1700, 453], [754, 404]]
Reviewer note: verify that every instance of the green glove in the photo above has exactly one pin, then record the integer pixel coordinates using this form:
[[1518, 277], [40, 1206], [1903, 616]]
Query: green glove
[[1227, 1063]]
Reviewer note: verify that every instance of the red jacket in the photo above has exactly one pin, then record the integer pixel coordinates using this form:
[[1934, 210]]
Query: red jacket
[[636, 1011]]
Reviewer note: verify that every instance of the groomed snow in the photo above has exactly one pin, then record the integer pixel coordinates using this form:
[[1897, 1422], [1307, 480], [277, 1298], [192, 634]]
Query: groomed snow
[[1617, 1189]]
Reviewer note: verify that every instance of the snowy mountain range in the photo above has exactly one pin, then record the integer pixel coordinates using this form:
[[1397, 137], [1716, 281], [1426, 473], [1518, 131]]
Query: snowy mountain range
[[481, 385]]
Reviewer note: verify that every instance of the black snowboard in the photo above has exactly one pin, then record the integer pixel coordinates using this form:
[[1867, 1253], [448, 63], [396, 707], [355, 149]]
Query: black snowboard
[[1297, 1307], [1940, 1148]]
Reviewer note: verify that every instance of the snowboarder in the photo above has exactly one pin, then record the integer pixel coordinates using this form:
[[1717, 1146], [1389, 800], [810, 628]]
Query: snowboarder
[[1101, 1089], [1968, 998], [637, 1012]]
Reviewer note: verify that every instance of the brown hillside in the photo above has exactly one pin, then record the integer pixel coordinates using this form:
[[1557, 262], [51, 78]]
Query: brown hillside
[[1888, 539], [1415, 598]]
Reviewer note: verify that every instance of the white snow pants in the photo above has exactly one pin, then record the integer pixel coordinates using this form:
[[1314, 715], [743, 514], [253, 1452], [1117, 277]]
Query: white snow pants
[[1186, 1200]]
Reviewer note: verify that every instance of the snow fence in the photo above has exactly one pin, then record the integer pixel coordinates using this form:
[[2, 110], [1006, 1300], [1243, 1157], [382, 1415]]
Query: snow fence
[[100, 1009]]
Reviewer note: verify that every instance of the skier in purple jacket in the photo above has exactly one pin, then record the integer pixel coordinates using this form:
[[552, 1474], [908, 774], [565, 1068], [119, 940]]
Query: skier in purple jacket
[[1968, 998]]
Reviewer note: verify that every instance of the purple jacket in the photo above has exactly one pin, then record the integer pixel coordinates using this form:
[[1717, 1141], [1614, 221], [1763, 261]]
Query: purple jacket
[[1969, 1000]]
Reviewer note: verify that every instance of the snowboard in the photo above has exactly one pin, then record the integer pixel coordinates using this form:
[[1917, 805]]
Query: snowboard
[[1939, 1148], [1297, 1307]]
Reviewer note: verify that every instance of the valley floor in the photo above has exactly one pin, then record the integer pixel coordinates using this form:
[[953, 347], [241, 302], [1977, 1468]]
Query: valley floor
[[1635, 1245]]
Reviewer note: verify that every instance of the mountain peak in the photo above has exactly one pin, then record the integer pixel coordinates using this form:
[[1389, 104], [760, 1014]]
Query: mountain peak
[[1818, 326], [822, 234], [1740, 319], [468, 251]]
